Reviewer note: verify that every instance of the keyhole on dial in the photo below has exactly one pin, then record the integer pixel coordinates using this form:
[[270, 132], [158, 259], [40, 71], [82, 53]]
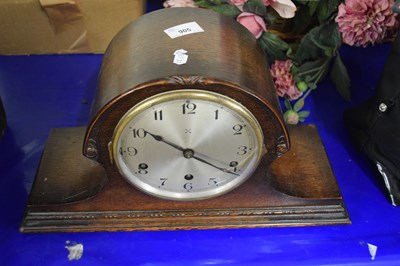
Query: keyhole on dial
[[233, 164], [188, 177], [143, 166]]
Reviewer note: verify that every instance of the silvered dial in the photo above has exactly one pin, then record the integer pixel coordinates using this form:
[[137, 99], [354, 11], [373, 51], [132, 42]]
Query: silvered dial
[[187, 145]]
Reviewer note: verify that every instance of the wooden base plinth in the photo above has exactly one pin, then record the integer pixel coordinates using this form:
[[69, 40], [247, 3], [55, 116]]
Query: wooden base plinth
[[72, 193]]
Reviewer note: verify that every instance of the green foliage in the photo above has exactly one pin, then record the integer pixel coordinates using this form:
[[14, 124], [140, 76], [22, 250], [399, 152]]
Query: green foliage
[[226, 9], [213, 2], [298, 105], [303, 115], [326, 8], [219, 6], [288, 106], [316, 52], [340, 77], [312, 72], [321, 41], [313, 6], [303, 20], [322, 9], [256, 7], [274, 47]]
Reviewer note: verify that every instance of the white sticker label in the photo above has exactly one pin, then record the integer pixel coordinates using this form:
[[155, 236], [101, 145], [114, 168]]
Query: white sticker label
[[183, 29], [180, 57]]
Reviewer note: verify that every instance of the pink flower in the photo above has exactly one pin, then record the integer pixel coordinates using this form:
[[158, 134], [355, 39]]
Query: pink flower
[[255, 24], [283, 79], [179, 3], [285, 8], [365, 22], [291, 117], [237, 2]]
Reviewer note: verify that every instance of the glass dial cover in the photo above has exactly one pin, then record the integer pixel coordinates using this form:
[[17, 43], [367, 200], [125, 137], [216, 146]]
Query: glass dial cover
[[187, 145]]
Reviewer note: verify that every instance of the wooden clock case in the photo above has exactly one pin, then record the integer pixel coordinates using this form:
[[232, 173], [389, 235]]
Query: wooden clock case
[[86, 193]]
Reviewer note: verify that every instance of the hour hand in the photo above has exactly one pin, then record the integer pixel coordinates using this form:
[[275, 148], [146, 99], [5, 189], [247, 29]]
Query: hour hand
[[161, 139]]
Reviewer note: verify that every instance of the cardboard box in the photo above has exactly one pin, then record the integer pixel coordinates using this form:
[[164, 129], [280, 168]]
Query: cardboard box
[[63, 26]]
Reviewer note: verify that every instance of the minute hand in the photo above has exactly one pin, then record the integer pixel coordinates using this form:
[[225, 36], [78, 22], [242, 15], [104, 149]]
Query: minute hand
[[213, 165]]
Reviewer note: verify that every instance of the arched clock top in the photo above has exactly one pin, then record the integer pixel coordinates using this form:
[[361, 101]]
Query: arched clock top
[[143, 52]]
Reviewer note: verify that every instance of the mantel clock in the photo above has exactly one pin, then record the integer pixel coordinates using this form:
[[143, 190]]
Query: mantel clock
[[186, 132]]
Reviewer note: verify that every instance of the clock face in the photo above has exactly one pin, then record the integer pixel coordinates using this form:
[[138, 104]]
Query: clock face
[[187, 145]]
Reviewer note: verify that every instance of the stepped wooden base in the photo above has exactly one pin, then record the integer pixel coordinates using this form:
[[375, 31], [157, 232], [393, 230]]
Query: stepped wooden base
[[72, 193]]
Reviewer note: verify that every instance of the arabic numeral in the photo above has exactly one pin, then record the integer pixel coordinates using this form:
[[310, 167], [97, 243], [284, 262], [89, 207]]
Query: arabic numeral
[[188, 186], [130, 151], [189, 108], [158, 115], [139, 133], [163, 180], [242, 150], [216, 114], [238, 129], [142, 168]]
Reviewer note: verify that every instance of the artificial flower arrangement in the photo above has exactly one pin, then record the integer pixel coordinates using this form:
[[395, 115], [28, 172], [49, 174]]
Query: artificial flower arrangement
[[302, 38]]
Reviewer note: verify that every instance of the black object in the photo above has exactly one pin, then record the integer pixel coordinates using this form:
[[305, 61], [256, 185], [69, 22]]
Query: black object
[[375, 124], [3, 121]]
